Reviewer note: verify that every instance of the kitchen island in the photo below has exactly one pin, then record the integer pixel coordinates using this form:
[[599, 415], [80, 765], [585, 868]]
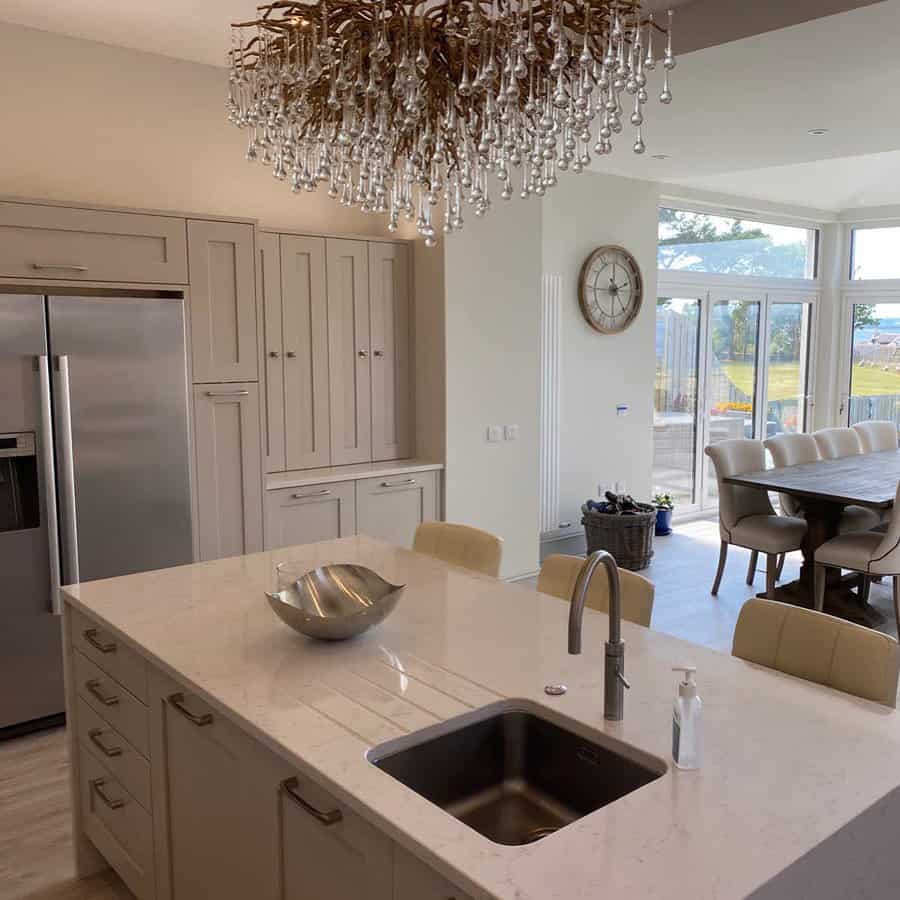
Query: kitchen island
[[216, 706]]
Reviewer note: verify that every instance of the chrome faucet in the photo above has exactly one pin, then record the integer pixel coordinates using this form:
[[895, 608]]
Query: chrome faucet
[[614, 681]]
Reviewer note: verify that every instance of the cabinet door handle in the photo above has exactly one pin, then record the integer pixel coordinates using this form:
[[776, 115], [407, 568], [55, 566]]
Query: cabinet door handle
[[379, 353], [96, 736], [274, 354], [398, 483], [228, 393], [103, 646], [322, 493], [177, 700], [39, 267], [97, 785], [291, 354], [362, 354], [331, 817], [93, 687]]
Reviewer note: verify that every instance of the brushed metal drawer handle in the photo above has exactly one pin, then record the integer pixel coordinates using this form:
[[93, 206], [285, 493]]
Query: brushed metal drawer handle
[[93, 687], [96, 736], [97, 785], [228, 393], [331, 817], [322, 493], [90, 635], [62, 266], [177, 700], [398, 483]]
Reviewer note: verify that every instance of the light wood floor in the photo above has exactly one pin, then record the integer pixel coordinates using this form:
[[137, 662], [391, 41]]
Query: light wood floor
[[36, 857], [36, 860]]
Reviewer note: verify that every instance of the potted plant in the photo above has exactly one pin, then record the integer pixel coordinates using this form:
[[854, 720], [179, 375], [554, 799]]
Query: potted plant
[[664, 508]]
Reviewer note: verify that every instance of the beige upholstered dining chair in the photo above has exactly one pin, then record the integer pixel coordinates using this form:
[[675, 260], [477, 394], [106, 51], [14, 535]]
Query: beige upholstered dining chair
[[746, 516], [460, 545], [836, 443], [559, 574], [796, 449], [871, 553], [875, 436], [819, 648]]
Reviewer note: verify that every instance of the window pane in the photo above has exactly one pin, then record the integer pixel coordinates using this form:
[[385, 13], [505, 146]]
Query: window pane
[[875, 370], [875, 253], [698, 242], [787, 354], [734, 341], [675, 416]]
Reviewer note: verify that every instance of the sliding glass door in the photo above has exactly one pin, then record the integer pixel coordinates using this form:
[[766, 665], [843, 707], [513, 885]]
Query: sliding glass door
[[727, 366]]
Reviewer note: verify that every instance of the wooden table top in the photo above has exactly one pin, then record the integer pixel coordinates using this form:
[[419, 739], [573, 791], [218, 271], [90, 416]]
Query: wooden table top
[[869, 479]]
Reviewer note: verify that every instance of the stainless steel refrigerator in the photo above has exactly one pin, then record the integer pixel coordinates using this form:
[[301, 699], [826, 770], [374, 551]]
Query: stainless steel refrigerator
[[94, 468]]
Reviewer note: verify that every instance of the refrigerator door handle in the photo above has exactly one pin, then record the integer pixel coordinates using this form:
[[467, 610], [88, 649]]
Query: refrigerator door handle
[[67, 474], [49, 479]]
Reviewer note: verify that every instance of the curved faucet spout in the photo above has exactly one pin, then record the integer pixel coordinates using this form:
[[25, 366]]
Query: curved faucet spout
[[615, 682]]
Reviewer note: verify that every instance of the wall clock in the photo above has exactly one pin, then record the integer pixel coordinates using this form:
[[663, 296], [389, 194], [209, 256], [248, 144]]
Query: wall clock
[[610, 289]]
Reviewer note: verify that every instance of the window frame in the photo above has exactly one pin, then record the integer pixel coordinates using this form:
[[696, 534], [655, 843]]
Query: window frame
[[849, 236]]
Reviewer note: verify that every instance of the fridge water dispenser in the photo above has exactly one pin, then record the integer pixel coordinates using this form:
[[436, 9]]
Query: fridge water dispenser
[[19, 497]]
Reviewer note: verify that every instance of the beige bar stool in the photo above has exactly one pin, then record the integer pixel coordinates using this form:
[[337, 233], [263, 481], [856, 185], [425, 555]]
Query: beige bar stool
[[875, 436], [836, 443], [796, 449], [746, 516], [460, 545], [559, 574], [871, 553], [819, 648]]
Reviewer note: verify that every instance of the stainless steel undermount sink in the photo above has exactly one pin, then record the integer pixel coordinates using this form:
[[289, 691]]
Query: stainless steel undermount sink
[[514, 771]]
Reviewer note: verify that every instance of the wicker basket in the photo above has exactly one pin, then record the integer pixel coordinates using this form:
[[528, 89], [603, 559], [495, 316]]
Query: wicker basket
[[628, 538]]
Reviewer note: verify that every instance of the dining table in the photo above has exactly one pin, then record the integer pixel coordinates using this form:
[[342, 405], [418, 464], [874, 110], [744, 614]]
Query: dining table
[[823, 489]]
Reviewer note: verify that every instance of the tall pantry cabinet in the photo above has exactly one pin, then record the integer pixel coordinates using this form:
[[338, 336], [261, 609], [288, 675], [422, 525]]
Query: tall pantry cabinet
[[337, 351], [225, 366]]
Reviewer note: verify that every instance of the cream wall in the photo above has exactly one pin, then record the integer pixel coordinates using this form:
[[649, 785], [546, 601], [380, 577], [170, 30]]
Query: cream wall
[[98, 124], [492, 276], [597, 371]]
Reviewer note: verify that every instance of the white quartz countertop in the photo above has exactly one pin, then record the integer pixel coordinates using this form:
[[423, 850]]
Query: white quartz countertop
[[308, 477], [787, 763]]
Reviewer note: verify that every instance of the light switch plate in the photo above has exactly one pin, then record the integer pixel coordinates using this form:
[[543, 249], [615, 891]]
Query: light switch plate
[[495, 433], [511, 432]]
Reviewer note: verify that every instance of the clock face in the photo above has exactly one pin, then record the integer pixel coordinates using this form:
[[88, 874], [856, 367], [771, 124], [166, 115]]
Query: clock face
[[611, 289]]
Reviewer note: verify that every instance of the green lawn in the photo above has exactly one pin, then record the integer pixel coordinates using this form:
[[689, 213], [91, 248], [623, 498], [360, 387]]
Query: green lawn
[[784, 380]]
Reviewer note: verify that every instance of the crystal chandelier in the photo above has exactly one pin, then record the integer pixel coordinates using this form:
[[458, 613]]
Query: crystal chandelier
[[400, 107]]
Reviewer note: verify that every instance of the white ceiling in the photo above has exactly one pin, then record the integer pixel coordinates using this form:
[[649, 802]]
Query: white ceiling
[[739, 120]]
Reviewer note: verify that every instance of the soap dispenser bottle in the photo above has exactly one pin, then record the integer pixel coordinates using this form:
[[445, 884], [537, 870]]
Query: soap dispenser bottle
[[687, 721]]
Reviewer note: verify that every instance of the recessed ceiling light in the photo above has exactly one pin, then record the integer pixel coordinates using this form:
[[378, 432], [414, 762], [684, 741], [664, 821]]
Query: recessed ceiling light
[[660, 156], [816, 132]]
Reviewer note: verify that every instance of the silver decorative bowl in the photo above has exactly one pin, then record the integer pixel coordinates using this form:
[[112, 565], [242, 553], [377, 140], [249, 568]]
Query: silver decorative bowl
[[332, 603]]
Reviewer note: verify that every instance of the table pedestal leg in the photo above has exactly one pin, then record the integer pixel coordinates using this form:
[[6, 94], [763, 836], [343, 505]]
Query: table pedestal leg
[[823, 523]]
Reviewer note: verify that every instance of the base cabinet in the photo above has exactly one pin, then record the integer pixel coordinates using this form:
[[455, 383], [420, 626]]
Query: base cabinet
[[321, 512], [328, 851], [413, 880], [392, 508]]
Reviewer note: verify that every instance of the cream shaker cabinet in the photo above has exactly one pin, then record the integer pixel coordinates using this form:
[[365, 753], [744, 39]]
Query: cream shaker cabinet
[[220, 806], [305, 515], [229, 469], [349, 351], [222, 301], [329, 851], [391, 508], [389, 322], [268, 269]]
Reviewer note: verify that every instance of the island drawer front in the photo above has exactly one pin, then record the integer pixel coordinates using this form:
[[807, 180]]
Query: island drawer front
[[115, 753], [413, 880], [113, 702], [110, 654], [58, 242], [120, 828]]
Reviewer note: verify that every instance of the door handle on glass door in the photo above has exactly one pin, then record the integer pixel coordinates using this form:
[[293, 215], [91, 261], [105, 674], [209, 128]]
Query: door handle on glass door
[[49, 483], [66, 459]]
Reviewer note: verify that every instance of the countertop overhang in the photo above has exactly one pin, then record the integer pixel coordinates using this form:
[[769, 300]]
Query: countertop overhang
[[786, 765]]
